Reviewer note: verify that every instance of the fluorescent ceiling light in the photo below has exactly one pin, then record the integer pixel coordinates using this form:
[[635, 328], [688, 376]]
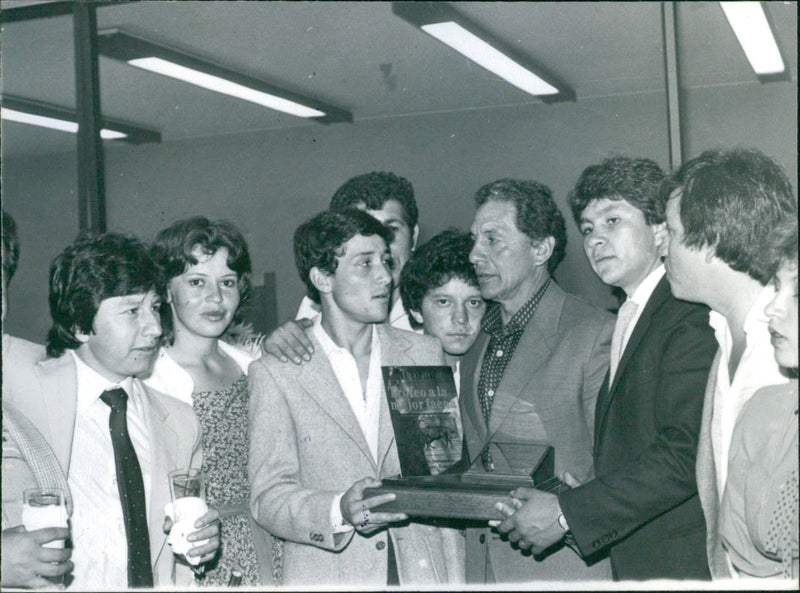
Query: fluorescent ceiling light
[[749, 23], [226, 87], [206, 74], [483, 54], [53, 123]]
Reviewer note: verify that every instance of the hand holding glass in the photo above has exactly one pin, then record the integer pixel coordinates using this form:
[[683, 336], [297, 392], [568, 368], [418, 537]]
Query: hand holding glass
[[42, 508], [187, 490]]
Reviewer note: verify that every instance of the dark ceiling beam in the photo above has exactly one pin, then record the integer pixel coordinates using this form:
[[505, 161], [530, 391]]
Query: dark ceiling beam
[[50, 9]]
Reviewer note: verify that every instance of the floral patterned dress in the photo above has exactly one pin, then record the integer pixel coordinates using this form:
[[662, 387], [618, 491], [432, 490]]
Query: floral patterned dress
[[223, 417]]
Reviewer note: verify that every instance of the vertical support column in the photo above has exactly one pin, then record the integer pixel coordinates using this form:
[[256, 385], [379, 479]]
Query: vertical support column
[[671, 74], [91, 166]]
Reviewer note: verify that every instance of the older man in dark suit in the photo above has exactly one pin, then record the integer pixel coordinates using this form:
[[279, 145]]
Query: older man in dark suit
[[534, 373]]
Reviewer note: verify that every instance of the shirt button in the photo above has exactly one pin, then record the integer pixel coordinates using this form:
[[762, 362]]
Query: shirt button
[[114, 482], [499, 353], [490, 393], [380, 545]]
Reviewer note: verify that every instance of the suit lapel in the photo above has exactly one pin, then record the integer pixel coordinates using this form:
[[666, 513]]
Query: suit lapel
[[471, 413], [394, 352], [59, 392], [164, 441], [660, 296], [531, 352], [319, 382]]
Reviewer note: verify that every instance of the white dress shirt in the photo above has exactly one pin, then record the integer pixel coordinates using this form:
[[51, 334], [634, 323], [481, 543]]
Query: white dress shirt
[[640, 296], [100, 546], [756, 369], [365, 403], [398, 316]]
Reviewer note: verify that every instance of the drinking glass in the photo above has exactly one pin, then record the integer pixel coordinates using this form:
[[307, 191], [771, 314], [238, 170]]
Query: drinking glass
[[188, 493], [42, 508]]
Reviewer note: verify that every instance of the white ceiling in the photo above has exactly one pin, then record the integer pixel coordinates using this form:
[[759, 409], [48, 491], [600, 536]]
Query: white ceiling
[[362, 58]]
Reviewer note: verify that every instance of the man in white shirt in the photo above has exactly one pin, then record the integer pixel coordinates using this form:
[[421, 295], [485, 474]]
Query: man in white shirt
[[324, 428], [390, 199], [115, 439], [642, 506], [721, 210]]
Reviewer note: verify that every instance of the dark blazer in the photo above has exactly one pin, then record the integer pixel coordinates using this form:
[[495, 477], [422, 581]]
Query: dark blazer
[[643, 501]]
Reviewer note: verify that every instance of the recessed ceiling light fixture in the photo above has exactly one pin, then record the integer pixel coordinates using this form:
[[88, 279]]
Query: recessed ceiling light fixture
[[443, 22], [179, 65], [37, 113], [750, 24]]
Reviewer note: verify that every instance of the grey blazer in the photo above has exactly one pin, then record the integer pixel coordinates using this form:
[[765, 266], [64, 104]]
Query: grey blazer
[[306, 447], [49, 402], [547, 395]]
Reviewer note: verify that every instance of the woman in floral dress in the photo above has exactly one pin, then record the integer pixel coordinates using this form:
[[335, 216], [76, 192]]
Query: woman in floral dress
[[207, 268]]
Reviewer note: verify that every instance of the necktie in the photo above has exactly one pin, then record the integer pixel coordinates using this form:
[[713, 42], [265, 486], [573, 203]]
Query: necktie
[[626, 314], [131, 490]]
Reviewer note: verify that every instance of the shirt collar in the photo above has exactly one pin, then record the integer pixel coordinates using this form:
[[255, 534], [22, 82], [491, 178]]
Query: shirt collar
[[492, 322], [92, 384], [645, 289], [754, 322], [330, 347]]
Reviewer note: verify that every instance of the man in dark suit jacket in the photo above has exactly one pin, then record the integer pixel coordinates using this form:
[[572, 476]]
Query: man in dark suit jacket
[[642, 505]]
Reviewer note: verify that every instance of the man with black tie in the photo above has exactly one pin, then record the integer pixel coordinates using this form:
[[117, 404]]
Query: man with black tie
[[115, 439], [642, 505]]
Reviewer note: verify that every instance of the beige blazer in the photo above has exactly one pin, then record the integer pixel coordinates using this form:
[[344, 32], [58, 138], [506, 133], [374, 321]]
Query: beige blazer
[[306, 447], [49, 402], [547, 395]]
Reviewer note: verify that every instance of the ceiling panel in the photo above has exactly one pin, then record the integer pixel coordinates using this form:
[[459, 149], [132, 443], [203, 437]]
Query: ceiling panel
[[360, 57]]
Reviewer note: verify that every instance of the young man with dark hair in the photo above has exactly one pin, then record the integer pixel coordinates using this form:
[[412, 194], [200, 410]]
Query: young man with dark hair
[[721, 209], [324, 430], [534, 373], [642, 505], [388, 198], [115, 439]]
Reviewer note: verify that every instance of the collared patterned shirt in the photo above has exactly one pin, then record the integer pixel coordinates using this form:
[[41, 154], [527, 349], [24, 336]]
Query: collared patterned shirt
[[501, 347]]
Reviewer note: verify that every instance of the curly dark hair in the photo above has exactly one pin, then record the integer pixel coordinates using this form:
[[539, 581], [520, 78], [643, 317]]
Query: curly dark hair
[[637, 181], [173, 247], [10, 247], [318, 241], [373, 190], [781, 249], [732, 201], [434, 264], [95, 268], [537, 214]]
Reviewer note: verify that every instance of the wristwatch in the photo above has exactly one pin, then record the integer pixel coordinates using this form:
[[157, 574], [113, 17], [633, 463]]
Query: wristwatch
[[568, 537]]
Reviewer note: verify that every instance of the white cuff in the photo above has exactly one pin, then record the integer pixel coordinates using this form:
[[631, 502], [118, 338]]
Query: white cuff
[[338, 524]]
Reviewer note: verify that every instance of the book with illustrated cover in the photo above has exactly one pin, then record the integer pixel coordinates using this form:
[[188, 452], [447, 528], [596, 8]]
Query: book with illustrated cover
[[423, 404]]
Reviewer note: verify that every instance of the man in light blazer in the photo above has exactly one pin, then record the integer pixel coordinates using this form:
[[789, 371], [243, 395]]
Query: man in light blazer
[[642, 504], [104, 300], [322, 432], [722, 208], [534, 373]]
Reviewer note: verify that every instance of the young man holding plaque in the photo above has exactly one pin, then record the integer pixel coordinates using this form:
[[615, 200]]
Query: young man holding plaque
[[534, 373], [642, 506], [115, 439], [322, 430]]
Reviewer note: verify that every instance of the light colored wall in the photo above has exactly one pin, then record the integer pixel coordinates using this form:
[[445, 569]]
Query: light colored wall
[[269, 183]]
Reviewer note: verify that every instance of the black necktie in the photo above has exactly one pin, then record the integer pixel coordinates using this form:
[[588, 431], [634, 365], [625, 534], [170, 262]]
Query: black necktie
[[131, 490]]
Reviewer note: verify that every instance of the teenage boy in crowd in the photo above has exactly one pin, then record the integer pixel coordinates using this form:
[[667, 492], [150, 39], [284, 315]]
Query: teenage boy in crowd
[[115, 439], [642, 505], [325, 432]]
